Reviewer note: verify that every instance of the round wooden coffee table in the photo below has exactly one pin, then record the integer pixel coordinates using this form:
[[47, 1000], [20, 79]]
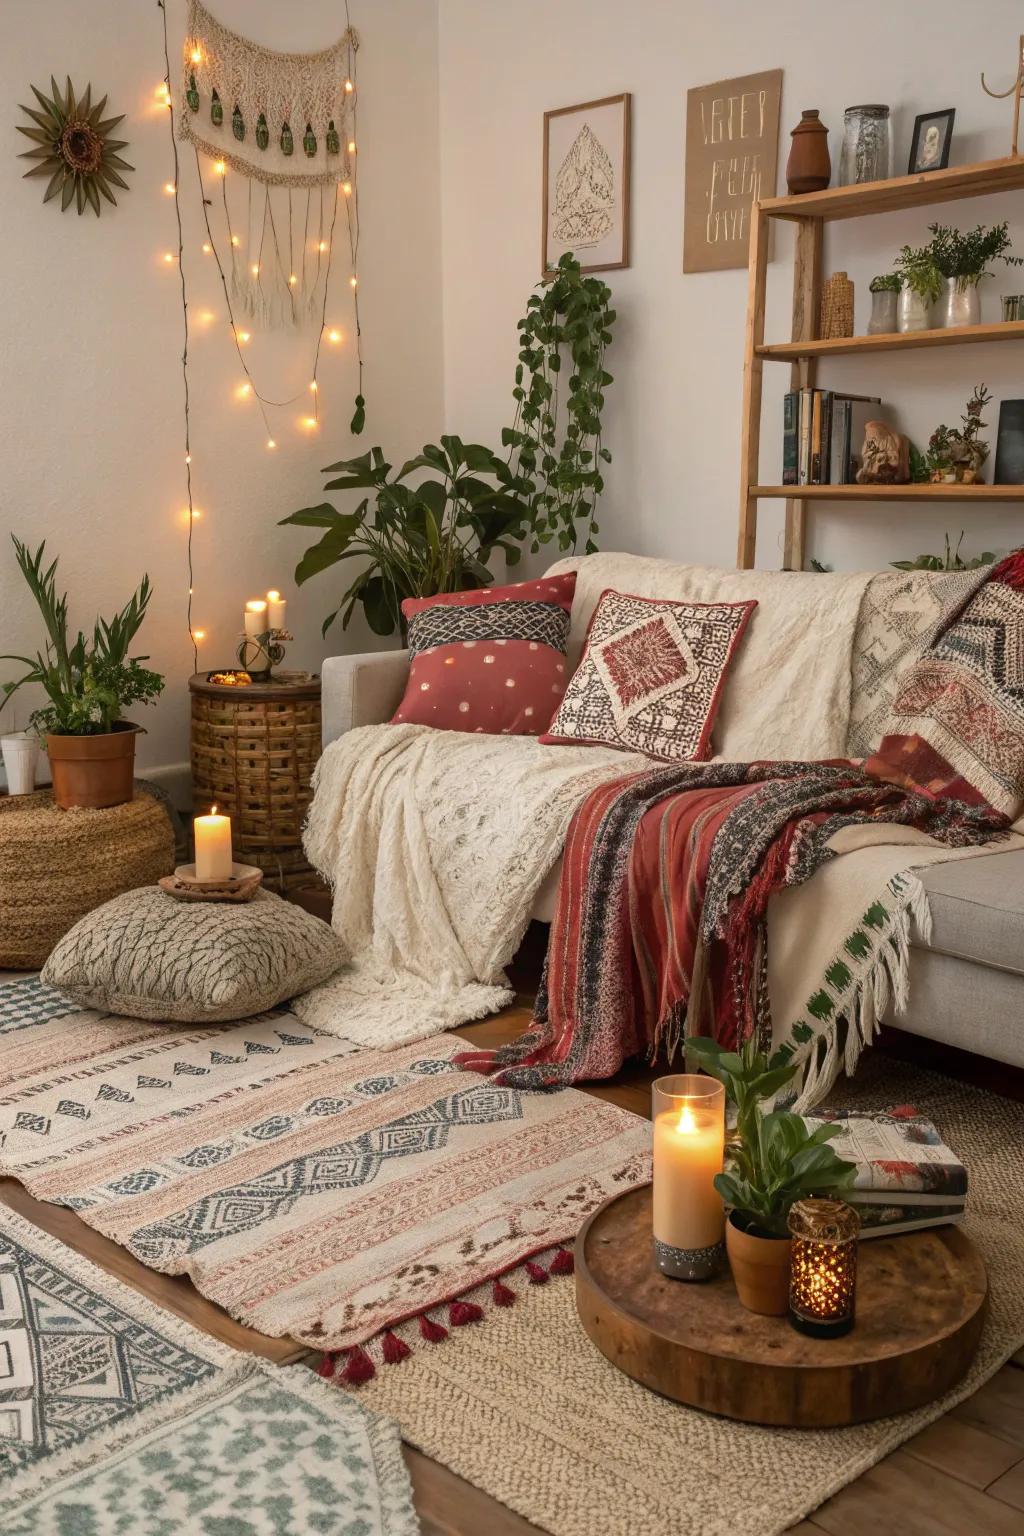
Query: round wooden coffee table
[[921, 1301]]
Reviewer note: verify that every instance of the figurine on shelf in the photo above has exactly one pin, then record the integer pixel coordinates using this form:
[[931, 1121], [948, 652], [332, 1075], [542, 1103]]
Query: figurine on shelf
[[956, 454], [885, 456]]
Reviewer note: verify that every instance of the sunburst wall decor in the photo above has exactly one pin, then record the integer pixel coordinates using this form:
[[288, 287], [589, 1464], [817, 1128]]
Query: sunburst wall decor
[[74, 148]]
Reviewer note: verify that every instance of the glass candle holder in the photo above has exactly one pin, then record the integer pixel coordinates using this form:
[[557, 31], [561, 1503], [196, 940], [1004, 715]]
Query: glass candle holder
[[689, 1146], [823, 1267]]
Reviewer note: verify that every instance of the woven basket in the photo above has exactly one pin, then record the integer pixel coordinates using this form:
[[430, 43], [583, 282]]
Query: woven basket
[[55, 866], [253, 754]]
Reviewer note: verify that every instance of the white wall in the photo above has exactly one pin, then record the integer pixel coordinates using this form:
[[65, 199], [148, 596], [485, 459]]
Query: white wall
[[91, 409], [673, 413]]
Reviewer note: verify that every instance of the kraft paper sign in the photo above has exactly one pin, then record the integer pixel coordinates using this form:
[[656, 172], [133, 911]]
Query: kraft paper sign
[[732, 149]]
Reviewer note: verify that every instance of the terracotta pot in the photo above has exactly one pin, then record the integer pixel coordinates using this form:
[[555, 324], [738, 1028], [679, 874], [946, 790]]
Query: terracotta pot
[[93, 771], [809, 167], [760, 1268]]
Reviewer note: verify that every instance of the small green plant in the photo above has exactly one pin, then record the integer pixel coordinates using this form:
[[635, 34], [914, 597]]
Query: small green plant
[[966, 255], [772, 1158], [960, 450], [950, 560], [88, 686], [415, 540], [886, 282], [918, 272]]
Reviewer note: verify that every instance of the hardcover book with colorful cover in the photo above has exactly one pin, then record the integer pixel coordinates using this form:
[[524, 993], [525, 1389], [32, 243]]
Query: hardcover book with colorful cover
[[906, 1176]]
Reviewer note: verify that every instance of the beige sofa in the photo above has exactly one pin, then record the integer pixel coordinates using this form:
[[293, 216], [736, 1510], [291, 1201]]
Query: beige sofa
[[967, 983]]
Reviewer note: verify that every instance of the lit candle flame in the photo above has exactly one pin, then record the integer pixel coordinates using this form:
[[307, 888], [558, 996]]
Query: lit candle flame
[[687, 1123]]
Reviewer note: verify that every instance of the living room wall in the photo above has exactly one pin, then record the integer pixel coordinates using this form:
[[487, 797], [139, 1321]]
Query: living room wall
[[91, 429], [673, 414]]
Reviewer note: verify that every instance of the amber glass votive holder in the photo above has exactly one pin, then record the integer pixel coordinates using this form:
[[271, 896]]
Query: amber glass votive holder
[[823, 1267]]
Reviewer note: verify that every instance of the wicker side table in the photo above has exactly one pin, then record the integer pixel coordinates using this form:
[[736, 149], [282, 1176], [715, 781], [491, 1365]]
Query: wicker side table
[[254, 749]]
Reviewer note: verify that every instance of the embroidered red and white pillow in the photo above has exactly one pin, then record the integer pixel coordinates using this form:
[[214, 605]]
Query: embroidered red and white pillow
[[651, 676], [490, 661], [956, 728]]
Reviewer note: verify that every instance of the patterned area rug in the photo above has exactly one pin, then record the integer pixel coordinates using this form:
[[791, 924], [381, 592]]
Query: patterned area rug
[[536, 1416], [116, 1416], [308, 1189]]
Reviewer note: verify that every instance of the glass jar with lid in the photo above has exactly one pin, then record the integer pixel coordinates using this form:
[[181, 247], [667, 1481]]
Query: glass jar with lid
[[866, 154]]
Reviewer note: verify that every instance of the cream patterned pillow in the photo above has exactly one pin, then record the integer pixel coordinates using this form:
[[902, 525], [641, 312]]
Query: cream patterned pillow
[[148, 956]]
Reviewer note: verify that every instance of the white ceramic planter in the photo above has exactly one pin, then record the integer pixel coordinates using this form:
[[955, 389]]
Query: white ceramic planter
[[960, 303], [20, 754], [913, 311]]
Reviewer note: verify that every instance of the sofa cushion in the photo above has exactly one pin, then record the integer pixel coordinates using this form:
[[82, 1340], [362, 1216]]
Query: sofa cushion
[[492, 660], [651, 676], [977, 908], [149, 956]]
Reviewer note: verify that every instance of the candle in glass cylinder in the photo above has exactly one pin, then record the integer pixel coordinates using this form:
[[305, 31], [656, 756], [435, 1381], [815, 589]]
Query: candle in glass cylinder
[[689, 1143], [213, 846], [255, 618], [276, 606]]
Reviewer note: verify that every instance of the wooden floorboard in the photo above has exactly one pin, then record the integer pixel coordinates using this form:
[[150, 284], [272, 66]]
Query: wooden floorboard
[[963, 1474]]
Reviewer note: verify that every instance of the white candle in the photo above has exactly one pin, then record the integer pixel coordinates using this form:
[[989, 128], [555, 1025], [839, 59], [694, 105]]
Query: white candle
[[213, 846], [255, 618], [689, 1138], [276, 606]]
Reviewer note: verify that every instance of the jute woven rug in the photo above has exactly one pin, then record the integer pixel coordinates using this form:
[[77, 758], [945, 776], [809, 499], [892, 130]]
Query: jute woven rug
[[527, 1409]]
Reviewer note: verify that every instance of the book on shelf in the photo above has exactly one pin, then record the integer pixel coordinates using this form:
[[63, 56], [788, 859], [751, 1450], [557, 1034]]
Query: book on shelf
[[907, 1178], [822, 435]]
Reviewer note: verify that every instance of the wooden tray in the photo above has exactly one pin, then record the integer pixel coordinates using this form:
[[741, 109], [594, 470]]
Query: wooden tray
[[921, 1300], [241, 885]]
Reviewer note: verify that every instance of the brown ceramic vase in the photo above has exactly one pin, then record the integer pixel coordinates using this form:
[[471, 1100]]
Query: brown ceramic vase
[[760, 1269], [809, 167], [93, 771]]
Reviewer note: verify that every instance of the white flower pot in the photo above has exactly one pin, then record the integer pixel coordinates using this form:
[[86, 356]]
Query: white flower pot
[[913, 311], [20, 753], [960, 303]]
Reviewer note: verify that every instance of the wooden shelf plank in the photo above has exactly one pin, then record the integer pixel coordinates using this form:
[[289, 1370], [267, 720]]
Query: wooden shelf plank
[[894, 341], [917, 191], [924, 492]]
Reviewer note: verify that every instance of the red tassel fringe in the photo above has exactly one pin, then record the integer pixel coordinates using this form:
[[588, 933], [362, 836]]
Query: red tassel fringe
[[359, 1367], [462, 1312], [538, 1276], [326, 1367], [501, 1295], [393, 1348], [563, 1262], [431, 1331]]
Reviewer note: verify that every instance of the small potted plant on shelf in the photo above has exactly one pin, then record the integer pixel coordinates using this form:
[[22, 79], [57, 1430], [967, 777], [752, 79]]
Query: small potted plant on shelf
[[772, 1160], [956, 454], [962, 259], [90, 746], [920, 286], [884, 290]]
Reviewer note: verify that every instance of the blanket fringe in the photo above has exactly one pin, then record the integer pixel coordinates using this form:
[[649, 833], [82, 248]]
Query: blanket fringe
[[359, 1363], [883, 977]]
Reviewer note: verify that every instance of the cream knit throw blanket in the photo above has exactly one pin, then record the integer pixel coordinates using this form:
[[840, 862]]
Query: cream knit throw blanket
[[436, 844]]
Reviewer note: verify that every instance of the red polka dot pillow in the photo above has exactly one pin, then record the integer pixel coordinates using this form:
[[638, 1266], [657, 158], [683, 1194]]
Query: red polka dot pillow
[[651, 676], [491, 661]]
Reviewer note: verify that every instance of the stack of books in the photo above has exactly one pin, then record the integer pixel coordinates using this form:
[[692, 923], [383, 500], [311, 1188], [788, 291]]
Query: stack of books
[[822, 436], [907, 1178]]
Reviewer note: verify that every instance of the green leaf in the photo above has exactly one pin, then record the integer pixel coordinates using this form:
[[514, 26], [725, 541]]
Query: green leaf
[[322, 516], [358, 421]]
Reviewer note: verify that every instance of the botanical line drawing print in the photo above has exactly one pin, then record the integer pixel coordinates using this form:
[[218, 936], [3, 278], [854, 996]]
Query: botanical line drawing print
[[584, 192]]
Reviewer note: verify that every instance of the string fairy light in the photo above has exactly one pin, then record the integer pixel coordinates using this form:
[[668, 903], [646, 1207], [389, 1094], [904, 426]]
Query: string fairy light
[[195, 635]]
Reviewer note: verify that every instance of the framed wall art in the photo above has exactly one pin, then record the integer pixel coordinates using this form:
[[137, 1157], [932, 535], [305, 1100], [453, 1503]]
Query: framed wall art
[[586, 185], [933, 134], [732, 149]]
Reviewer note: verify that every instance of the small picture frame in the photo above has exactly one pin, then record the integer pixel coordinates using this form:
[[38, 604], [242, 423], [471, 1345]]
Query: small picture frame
[[929, 149], [586, 185]]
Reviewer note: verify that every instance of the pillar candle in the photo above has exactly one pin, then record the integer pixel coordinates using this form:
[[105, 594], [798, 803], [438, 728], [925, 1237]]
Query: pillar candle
[[276, 606], [689, 1141], [213, 846], [255, 618]]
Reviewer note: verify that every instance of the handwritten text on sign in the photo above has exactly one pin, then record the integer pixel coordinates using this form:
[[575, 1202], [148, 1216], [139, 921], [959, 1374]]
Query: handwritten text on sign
[[732, 138]]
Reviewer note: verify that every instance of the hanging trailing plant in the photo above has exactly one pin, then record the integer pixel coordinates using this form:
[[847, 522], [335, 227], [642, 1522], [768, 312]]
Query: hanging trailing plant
[[75, 149], [557, 452]]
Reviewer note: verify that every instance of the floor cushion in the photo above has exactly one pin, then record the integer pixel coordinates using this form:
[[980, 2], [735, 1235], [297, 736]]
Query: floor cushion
[[148, 956]]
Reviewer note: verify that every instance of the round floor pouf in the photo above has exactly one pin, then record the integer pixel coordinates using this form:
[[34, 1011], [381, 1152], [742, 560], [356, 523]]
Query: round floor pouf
[[55, 866], [254, 749]]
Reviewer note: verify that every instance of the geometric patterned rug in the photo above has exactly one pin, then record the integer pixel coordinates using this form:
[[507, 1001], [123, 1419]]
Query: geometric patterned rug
[[307, 1187], [115, 1415]]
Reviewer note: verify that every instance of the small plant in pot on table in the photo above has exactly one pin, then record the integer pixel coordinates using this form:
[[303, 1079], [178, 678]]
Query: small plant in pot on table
[[90, 746], [772, 1161]]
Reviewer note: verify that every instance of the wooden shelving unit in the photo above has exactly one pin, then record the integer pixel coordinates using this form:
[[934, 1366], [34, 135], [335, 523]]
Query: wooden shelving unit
[[810, 213]]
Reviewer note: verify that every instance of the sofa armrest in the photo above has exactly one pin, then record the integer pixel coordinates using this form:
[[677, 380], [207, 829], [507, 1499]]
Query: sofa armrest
[[361, 690]]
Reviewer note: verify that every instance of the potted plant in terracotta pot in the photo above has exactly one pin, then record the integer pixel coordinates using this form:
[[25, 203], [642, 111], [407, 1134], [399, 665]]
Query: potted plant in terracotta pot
[[772, 1160], [88, 684]]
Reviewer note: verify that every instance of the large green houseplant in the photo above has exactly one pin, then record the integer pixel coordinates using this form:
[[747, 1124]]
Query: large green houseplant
[[772, 1160], [88, 685], [436, 524]]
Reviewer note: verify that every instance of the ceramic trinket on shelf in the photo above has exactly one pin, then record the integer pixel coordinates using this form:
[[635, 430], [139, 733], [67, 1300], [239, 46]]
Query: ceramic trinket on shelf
[[885, 456], [809, 167]]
